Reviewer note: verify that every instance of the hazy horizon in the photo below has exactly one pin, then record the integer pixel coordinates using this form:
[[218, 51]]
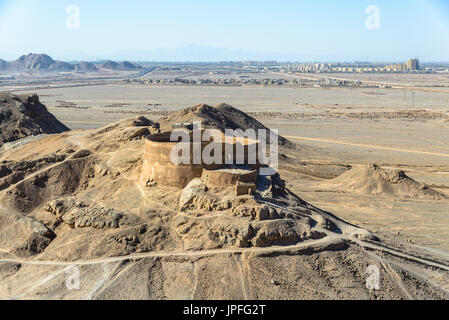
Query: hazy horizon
[[176, 31], [95, 59]]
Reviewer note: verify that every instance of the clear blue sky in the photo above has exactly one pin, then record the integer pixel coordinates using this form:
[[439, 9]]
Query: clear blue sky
[[294, 29]]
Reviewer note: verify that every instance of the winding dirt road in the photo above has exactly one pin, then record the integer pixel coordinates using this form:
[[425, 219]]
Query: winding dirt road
[[370, 146]]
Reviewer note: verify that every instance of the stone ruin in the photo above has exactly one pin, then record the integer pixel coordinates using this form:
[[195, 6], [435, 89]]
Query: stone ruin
[[159, 169]]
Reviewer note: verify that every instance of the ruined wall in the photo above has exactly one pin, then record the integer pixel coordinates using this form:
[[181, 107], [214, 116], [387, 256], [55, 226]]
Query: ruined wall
[[158, 168], [227, 177]]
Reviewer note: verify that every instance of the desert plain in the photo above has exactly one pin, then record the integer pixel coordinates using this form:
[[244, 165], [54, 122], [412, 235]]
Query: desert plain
[[400, 128], [365, 158]]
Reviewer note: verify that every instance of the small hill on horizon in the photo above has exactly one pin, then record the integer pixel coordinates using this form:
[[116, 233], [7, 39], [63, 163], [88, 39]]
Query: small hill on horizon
[[120, 66], [3, 64], [84, 66], [43, 63], [32, 62]]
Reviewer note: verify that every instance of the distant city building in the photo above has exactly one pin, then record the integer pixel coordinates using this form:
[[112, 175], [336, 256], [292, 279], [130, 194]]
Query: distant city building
[[410, 65], [413, 64]]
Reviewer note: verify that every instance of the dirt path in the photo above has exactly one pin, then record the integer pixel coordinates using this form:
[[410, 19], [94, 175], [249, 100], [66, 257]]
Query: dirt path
[[108, 273], [241, 276], [328, 241], [370, 146], [394, 85], [371, 246], [40, 283], [36, 173], [394, 276], [325, 242]]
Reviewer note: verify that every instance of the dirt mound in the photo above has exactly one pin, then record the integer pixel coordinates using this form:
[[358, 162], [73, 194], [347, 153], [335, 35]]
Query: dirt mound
[[221, 117], [373, 180], [121, 66], [84, 66], [36, 63], [22, 116], [42, 63], [32, 62]]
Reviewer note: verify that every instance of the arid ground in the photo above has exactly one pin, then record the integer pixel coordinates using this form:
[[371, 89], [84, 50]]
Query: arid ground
[[365, 184], [394, 128]]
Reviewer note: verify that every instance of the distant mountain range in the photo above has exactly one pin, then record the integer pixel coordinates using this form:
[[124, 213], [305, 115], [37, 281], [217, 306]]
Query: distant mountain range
[[197, 53], [201, 53], [42, 63]]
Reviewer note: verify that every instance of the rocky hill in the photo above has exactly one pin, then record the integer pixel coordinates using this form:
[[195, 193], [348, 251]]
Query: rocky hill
[[36, 63], [373, 180], [120, 66], [3, 65], [22, 116], [42, 63], [221, 116], [32, 62], [85, 67]]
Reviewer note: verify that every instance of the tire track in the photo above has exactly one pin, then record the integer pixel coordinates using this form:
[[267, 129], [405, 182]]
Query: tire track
[[370, 146]]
